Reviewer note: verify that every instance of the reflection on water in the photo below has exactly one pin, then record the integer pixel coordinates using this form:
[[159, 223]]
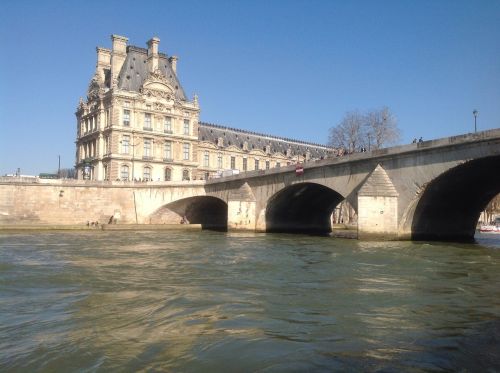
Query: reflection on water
[[171, 301]]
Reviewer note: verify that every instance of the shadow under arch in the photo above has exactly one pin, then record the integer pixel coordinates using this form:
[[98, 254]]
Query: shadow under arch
[[450, 206], [210, 212], [302, 208]]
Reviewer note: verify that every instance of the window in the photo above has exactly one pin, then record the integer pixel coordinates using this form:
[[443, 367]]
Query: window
[[167, 125], [245, 166], [185, 175], [124, 172], [105, 169], [186, 126], [105, 139], [185, 151], [126, 117], [207, 175], [147, 121], [147, 148], [125, 144], [146, 173], [168, 174], [267, 165], [233, 163], [219, 161], [168, 150], [278, 165], [256, 164], [107, 117], [206, 159]]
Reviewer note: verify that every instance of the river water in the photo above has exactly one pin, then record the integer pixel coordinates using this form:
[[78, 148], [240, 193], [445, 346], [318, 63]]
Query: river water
[[227, 302]]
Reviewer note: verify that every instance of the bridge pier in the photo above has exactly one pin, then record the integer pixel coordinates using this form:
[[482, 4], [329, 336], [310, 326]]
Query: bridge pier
[[241, 209], [378, 207], [241, 216]]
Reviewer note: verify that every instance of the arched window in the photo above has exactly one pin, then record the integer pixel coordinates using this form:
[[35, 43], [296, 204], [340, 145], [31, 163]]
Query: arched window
[[124, 172], [146, 173], [185, 174], [168, 174]]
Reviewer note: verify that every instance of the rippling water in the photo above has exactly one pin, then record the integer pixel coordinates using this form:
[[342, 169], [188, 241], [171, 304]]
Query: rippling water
[[215, 302]]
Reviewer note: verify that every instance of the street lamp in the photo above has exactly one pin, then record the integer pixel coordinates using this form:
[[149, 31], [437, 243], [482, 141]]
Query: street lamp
[[475, 113]]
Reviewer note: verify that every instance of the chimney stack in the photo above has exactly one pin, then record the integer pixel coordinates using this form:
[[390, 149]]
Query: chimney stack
[[173, 63], [103, 62], [118, 54], [153, 54]]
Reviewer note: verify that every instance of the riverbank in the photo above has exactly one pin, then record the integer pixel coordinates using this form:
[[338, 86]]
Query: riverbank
[[113, 227]]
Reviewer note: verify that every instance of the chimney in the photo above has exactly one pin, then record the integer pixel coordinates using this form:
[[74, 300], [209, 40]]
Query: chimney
[[118, 54], [173, 63], [103, 62], [153, 54]]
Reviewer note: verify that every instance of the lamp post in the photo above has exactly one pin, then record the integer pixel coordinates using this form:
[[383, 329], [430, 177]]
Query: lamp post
[[475, 113]]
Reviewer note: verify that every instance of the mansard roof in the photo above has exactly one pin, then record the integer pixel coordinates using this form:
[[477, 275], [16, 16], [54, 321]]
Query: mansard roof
[[233, 136], [135, 71]]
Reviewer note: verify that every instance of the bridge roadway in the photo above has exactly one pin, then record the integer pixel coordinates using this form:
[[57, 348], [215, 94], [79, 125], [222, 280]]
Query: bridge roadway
[[434, 190]]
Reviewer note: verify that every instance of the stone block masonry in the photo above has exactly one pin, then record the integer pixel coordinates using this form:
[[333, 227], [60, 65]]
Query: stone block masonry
[[76, 203]]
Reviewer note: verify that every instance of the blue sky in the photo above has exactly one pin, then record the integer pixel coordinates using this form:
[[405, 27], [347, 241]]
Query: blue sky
[[289, 68]]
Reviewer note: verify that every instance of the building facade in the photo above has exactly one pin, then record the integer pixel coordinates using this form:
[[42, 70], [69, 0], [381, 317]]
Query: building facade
[[138, 124]]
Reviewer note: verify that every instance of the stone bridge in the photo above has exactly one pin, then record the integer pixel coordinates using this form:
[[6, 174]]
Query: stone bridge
[[432, 190]]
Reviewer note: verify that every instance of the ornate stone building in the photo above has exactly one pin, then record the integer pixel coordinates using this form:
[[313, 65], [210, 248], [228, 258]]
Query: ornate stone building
[[137, 123]]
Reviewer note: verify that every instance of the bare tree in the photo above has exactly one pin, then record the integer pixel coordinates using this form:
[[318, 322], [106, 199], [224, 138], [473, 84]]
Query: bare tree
[[372, 130], [382, 128], [349, 133], [492, 210]]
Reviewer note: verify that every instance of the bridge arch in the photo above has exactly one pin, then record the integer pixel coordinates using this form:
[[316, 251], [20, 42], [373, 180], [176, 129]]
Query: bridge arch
[[210, 212], [302, 208], [450, 205]]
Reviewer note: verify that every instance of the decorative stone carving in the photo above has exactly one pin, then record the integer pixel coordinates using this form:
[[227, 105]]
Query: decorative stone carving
[[157, 75], [81, 104], [95, 88], [158, 86], [159, 106]]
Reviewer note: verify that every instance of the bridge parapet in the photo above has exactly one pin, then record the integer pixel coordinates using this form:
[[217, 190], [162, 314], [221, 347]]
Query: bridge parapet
[[377, 156]]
